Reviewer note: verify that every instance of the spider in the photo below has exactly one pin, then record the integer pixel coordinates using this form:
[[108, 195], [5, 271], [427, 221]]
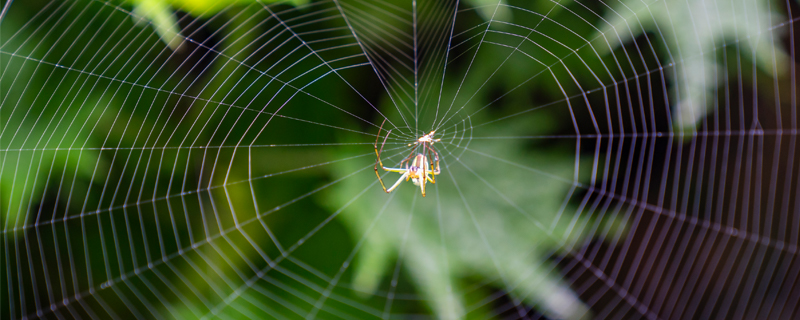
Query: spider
[[421, 170]]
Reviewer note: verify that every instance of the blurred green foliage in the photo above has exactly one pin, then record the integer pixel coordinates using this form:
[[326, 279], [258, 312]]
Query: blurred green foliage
[[120, 134], [160, 14], [695, 32]]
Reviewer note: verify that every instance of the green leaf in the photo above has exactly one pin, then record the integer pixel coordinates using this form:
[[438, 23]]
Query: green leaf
[[491, 9], [705, 25], [160, 14]]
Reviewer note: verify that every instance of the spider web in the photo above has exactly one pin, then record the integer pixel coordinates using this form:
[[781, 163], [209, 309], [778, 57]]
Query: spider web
[[594, 162]]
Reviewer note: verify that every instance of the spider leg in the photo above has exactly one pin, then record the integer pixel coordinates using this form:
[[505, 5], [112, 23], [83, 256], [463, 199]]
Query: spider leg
[[379, 162], [378, 136], [413, 152], [376, 169], [379, 178], [422, 185], [396, 183], [431, 173], [435, 169], [430, 170], [378, 153]]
